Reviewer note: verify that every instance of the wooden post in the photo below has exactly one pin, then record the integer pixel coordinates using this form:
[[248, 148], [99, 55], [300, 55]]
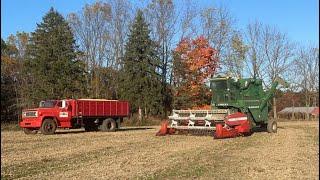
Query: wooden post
[[145, 111], [140, 114], [274, 108], [292, 115]]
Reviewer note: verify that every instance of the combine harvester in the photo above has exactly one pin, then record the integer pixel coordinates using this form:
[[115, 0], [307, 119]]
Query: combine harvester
[[238, 106]]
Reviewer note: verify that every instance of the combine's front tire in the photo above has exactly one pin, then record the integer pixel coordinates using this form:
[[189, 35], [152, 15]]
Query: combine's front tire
[[272, 126], [108, 125], [29, 131], [48, 127]]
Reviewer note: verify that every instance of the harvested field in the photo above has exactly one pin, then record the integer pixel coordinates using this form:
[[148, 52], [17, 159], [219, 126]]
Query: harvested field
[[136, 153]]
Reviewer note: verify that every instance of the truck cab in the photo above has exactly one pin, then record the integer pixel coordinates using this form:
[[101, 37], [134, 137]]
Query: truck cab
[[58, 111]]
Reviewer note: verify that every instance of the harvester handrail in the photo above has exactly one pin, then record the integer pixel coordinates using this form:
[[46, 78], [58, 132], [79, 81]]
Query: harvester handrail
[[201, 111], [195, 115]]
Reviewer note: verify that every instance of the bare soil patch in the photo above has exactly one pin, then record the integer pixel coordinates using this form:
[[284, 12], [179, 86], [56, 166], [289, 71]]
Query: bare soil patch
[[136, 153]]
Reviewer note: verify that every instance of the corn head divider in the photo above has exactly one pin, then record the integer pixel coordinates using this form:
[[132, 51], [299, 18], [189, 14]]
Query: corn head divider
[[196, 122]]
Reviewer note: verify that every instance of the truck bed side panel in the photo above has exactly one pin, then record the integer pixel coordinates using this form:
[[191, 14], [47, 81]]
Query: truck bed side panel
[[108, 108]]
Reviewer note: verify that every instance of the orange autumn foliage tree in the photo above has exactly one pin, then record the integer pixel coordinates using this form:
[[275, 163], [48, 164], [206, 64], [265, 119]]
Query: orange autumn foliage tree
[[194, 62]]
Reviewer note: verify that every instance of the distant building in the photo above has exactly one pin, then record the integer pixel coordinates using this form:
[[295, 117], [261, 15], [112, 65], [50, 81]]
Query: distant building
[[299, 112]]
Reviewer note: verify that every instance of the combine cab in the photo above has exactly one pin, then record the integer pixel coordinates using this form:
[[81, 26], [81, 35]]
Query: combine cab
[[238, 105]]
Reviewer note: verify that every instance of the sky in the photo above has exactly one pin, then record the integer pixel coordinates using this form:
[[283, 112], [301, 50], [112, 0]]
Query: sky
[[298, 18]]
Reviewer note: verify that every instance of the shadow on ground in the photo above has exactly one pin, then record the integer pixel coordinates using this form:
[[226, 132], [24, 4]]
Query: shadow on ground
[[258, 129], [75, 131], [134, 128]]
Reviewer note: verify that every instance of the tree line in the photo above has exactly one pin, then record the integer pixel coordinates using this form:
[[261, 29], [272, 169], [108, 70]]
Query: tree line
[[158, 57]]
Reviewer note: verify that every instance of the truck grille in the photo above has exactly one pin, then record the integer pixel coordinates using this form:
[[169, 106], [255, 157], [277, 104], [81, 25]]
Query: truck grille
[[30, 114]]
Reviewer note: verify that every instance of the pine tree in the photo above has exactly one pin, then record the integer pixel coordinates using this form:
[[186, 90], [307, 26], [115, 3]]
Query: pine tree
[[8, 95], [141, 84], [52, 66]]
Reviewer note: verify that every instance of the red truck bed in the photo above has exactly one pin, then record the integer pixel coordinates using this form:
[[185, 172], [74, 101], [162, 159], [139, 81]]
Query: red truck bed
[[101, 107]]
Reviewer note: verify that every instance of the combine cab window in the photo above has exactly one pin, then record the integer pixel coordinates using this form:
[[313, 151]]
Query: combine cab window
[[219, 85], [220, 93], [47, 104]]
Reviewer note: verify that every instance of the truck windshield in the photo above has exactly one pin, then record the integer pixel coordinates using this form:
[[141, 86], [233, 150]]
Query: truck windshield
[[47, 104]]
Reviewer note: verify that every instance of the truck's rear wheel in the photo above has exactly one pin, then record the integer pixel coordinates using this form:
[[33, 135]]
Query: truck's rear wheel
[[272, 126], [108, 125], [29, 131], [48, 127]]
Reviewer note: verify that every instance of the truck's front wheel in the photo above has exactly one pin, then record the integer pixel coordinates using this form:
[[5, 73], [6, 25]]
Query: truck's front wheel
[[108, 125], [48, 127]]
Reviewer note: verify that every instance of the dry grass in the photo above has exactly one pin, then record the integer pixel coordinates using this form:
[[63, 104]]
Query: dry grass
[[10, 126], [136, 153]]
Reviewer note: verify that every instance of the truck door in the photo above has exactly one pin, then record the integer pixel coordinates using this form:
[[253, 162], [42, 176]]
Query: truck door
[[64, 115]]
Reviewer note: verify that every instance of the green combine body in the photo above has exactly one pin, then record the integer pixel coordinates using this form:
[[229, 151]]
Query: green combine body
[[243, 95], [233, 100]]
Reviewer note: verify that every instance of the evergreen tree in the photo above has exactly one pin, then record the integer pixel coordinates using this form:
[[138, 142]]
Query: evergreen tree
[[8, 95], [3, 46], [52, 66], [141, 84]]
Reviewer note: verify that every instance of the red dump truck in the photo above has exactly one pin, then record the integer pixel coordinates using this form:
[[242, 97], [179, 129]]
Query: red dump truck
[[92, 114]]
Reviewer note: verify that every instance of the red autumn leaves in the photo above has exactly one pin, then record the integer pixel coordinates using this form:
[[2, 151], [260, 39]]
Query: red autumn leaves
[[195, 62]]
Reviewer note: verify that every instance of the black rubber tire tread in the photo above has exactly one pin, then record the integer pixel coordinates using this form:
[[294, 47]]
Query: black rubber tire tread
[[48, 122], [272, 126], [29, 131], [108, 125]]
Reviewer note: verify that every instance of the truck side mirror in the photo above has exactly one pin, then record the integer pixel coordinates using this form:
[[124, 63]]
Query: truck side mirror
[[63, 103]]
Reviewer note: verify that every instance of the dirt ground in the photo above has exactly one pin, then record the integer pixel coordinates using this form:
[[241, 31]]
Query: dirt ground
[[136, 153]]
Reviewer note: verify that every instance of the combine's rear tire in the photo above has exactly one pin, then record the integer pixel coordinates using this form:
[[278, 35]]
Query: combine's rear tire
[[272, 126], [29, 131], [48, 127], [108, 125]]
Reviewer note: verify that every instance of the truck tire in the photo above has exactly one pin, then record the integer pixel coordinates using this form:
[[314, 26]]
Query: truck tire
[[108, 125], [48, 127], [29, 131], [272, 126]]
